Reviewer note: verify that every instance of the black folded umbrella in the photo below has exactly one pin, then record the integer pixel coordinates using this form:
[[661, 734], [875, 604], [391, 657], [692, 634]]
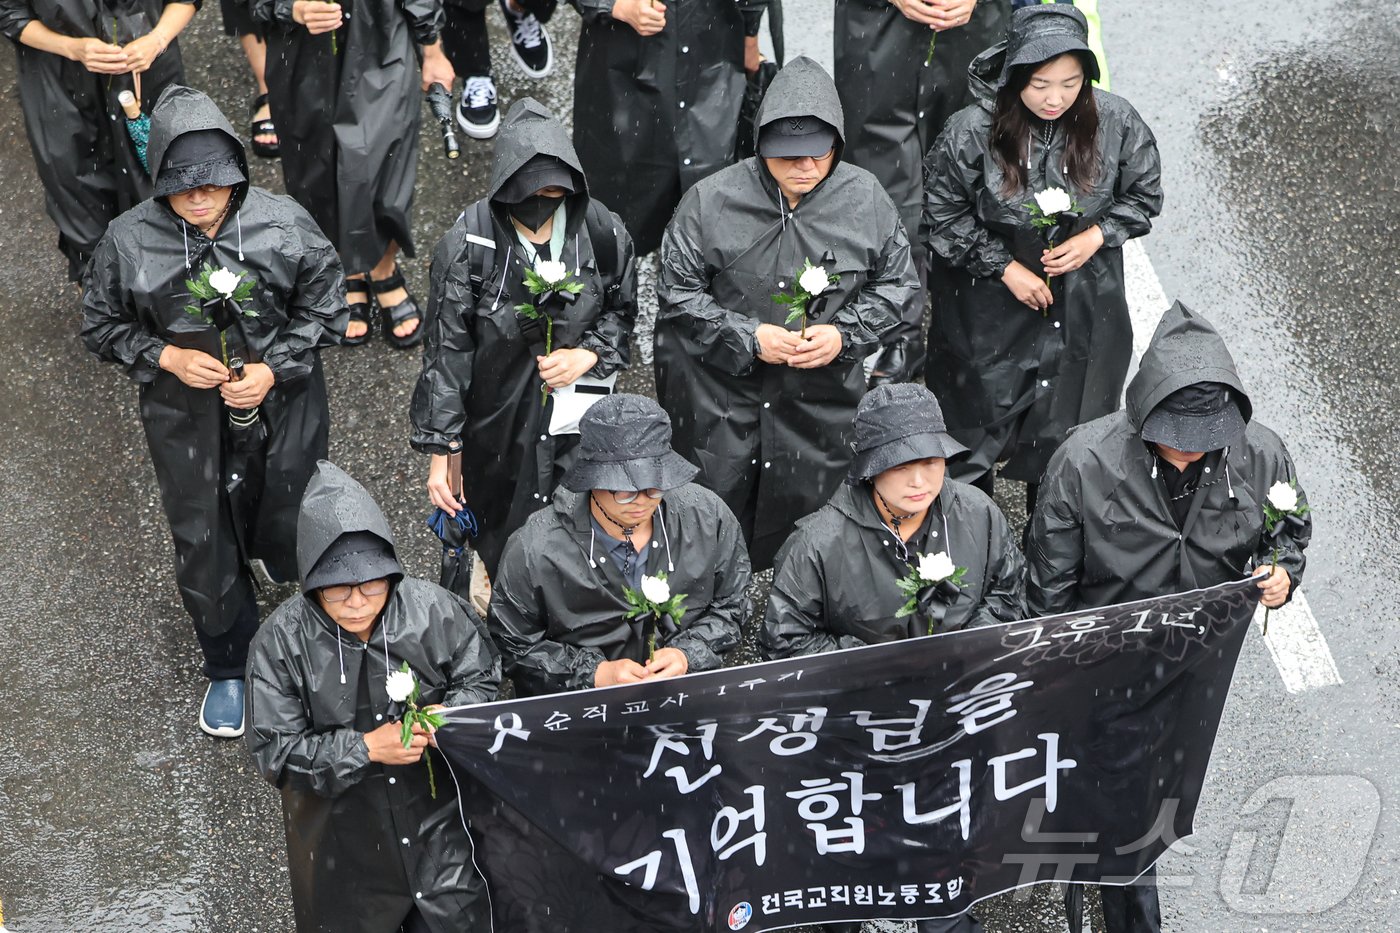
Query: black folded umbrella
[[455, 532]]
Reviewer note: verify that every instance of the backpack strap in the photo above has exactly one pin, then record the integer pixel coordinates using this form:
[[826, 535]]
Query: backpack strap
[[599, 221]]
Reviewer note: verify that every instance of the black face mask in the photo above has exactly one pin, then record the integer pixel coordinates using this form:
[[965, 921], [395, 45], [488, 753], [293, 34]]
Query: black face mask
[[534, 210]]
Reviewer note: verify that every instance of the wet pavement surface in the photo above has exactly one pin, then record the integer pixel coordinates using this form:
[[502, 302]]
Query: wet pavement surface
[[1279, 139]]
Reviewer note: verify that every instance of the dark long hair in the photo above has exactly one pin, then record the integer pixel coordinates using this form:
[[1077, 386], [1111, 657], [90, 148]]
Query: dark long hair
[[1011, 130]]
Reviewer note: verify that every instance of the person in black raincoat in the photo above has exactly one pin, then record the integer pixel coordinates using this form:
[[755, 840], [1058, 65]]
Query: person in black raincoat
[[657, 92], [764, 413], [345, 95], [1017, 363], [75, 57], [370, 848], [229, 494], [627, 510], [837, 579], [1165, 497], [897, 95], [484, 365]]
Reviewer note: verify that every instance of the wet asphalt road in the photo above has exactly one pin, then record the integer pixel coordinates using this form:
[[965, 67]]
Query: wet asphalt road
[[1279, 141]]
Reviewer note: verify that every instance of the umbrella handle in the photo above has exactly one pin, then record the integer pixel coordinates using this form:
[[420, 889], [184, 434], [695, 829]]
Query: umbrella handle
[[136, 80], [454, 469]]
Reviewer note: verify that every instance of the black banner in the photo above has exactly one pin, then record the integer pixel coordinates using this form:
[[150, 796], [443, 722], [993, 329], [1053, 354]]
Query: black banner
[[901, 781]]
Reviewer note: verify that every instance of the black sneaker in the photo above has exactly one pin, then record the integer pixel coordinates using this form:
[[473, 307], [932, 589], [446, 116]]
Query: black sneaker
[[529, 42], [477, 114]]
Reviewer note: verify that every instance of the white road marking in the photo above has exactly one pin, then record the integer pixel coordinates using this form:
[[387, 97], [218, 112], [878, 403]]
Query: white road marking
[[1295, 640]]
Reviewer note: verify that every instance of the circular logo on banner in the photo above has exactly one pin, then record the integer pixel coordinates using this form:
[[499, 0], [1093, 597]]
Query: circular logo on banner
[[740, 916]]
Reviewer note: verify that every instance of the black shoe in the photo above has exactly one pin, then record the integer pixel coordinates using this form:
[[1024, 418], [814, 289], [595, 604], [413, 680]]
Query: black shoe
[[529, 42], [477, 114]]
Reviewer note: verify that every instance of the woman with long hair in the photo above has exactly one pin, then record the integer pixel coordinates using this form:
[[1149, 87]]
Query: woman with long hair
[[1031, 334]]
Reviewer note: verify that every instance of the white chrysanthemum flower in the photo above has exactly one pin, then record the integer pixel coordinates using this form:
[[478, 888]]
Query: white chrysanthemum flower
[[936, 567], [552, 271], [655, 589], [1053, 201], [1283, 497], [814, 281], [224, 282], [399, 685]]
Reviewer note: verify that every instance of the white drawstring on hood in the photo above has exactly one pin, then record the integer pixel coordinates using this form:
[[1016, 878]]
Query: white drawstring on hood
[[1229, 484], [340, 653], [238, 222]]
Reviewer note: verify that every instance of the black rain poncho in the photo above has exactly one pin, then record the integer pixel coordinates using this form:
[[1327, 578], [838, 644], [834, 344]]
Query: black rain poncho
[[1011, 381], [879, 48], [556, 618], [1103, 532], [366, 842], [654, 115], [348, 123], [774, 441], [480, 381], [84, 158], [836, 582], [134, 306]]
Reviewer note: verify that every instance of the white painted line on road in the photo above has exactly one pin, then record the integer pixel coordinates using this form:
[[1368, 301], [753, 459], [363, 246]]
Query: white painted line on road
[[1295, 640], [1296, 644]]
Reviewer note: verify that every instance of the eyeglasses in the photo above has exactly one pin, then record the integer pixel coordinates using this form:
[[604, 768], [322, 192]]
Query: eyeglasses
[[820, 158], [339, 594], [626, 496]]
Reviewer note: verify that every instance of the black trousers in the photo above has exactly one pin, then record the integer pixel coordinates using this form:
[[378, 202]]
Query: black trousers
[[1132, 908], [226, 655]]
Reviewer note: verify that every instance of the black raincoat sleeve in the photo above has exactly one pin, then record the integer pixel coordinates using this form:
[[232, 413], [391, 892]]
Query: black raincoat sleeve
[[892, 286], [475, 676], [438, 410], [1055, 553], [710, 634], [285, 749], [950, 227], [316, 311], [1004, 594], [518, 623], [272, 11], [1137, 194], [728, 340], [425, 19], [794, 624], [14, 16], [610, 334], [1292, 541], [111, 328]]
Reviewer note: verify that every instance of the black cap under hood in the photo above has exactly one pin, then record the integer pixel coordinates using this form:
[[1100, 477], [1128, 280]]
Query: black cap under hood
[[334, 504], [803, 89], [1185, 350], [180, 110]]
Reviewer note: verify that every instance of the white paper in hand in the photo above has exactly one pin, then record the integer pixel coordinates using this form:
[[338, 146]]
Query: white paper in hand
[[572, 401]]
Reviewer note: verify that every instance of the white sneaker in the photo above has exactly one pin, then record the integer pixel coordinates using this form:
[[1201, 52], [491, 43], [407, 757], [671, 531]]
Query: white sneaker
[[477, 114], [529, 42]]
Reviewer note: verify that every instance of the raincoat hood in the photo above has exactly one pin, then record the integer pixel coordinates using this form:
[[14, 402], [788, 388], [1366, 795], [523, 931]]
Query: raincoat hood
[[1185, 349], [528, 130], [1040, 33], [181, 110], [984, 76], [334, 504], [804, 89]]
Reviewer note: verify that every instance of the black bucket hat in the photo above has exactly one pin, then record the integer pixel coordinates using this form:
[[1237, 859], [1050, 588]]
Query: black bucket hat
[[625, 443], [1040, 33], [198, 158], [539, 171], [895, 424], [355, 557], [1199, 418], [795, 137]]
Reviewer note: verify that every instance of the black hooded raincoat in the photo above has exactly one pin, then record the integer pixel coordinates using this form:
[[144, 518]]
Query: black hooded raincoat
[[480, 381], [556, 617], [90, 170], [1011, 380], [348, 122], [774, 441], [366, 842], [896, 98], [653, 115], [1103, 532], [134, 306], [836, 583]]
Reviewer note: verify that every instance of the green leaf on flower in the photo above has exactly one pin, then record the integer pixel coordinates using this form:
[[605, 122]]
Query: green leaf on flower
[[528, 311], [794, 315], [406, 731]]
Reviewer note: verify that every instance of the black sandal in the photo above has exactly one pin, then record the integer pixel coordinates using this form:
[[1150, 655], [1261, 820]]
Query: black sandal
[[263, 128], [401, 313], [359, 311]]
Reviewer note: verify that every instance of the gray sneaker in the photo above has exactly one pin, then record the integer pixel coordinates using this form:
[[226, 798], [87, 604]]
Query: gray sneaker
[[477, 114]]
